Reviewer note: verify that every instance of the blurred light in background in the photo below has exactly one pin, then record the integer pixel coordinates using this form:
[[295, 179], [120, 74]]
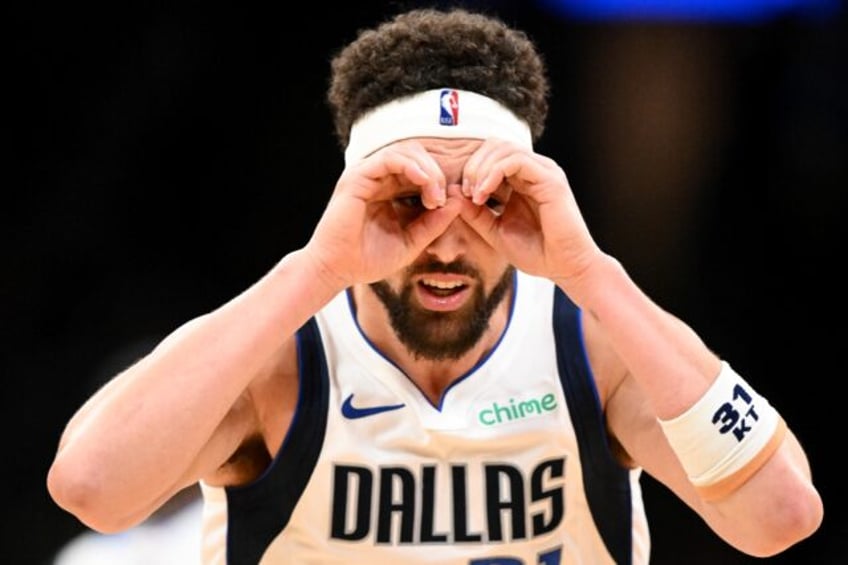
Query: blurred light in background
[[730, 11]]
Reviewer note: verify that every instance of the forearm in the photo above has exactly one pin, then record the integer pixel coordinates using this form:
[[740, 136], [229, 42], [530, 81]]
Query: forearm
[[757, 493], [669, 361], [136, 439]]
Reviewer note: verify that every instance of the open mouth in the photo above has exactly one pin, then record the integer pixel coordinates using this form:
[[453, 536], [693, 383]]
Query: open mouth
[[442, 288], [442, 294]]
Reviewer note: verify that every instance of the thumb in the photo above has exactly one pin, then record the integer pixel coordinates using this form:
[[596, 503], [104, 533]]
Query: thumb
[[432, 223], [482, 220]]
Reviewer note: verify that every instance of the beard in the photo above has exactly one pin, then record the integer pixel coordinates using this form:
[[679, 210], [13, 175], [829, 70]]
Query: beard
[[440, 336]]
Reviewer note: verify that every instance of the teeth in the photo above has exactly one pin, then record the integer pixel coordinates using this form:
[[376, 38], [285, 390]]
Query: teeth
[[442, 284]]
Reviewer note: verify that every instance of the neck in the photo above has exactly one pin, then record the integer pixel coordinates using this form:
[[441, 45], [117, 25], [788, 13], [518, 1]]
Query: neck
[[431, 376]]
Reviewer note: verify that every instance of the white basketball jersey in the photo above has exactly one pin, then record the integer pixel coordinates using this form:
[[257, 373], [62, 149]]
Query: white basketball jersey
[[511, 468]]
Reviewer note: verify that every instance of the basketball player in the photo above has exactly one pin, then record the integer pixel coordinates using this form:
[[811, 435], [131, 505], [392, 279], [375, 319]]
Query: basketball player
[[451, 370]]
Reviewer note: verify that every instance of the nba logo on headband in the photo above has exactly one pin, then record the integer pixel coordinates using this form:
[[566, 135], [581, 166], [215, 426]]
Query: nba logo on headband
[[413, 116], [449, 108]]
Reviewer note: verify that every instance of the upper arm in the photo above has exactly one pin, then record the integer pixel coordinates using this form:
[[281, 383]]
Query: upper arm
[[249, 437], [634, 433]]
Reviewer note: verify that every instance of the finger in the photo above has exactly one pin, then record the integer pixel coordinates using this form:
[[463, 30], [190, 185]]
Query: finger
[[529, 173], [477, 165], [431, 224], [482, 220], [489, 169], [496, 171], [411, 162]]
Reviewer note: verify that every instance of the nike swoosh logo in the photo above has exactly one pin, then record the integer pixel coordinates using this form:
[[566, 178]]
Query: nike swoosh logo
[[351, 412]]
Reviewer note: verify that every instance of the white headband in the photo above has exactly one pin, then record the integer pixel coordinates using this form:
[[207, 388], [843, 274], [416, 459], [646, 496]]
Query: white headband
[[444, 112]]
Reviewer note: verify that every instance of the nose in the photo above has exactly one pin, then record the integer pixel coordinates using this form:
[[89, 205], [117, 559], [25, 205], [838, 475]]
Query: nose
[[453, 242]]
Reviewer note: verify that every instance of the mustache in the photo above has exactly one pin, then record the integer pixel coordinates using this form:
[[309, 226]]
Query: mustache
[[435, 266]]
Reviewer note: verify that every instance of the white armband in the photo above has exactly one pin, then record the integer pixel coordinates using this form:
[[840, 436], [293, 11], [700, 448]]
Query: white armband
[[726, 436]]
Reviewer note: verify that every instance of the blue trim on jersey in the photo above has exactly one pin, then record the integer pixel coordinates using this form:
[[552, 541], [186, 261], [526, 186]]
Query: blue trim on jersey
[[605, 481], [459, 379], [255, 515]]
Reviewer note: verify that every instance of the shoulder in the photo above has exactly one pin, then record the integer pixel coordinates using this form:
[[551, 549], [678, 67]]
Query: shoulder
[[580, 327], [574, 326], [259, 419], [624, 406], [608, 369], [273, 396]]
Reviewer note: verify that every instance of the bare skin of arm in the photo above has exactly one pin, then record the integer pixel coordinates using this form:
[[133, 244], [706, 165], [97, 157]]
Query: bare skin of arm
[[182, 411], [198, 405], [758, 518], [648, 363]]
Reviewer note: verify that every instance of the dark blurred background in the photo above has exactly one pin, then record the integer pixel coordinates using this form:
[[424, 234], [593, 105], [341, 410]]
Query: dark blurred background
[[164, 156]]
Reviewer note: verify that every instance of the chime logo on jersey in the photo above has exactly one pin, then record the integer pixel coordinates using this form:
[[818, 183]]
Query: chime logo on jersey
[[427, 504], [504, 412], [449, 108]]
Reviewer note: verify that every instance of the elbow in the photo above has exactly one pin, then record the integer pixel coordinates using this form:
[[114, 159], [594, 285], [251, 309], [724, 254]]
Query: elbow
[[797, 521], [790, 520], [81, 494]]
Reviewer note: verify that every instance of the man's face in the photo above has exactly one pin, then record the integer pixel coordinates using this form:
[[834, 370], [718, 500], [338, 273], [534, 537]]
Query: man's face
[[440, 306]]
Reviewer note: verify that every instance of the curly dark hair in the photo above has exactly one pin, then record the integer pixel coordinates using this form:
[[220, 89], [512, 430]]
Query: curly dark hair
[[429, 48]]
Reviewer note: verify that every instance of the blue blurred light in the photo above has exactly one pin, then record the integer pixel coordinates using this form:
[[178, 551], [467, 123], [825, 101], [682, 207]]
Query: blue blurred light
[[741, 11]]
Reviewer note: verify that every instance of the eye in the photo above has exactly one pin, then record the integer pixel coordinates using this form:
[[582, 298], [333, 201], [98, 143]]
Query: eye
[[495, 205], [411, 201], [408, 207]]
